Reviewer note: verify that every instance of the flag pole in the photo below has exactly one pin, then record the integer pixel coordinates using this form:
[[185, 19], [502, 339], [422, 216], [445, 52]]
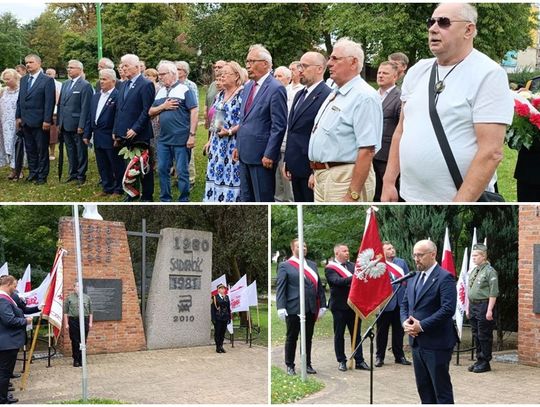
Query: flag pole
[[258, 317], [355, 332], [302, 293], [81, 304]]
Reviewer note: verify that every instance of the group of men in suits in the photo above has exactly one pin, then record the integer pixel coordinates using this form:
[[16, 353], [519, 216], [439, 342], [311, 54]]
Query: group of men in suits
[[423, 308]]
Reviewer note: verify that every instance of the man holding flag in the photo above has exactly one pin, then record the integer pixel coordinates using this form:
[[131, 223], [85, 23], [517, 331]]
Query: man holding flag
[[390, 317], [288, 303], [339, 274], [426, 314]]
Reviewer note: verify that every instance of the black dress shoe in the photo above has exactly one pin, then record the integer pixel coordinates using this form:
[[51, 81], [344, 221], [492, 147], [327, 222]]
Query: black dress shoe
[[342, 367], [218, 350], [291, 371], [81, 182], [310, 370], [11, 399], [40, 182], [11, 388], [482, 367], [15, 375], [76, 364], [30, 179], [362, 366], [222, 350], [378, 362], [403, 361], [471, 367]]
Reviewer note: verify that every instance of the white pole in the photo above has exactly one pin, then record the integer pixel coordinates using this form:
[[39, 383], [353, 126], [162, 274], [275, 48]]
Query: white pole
[[81, 304], [302, 292]]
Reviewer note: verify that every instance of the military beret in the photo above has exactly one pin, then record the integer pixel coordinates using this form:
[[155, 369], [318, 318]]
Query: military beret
[[480, 246]]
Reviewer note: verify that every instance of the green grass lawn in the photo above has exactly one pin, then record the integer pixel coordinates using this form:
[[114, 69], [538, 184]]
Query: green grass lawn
[[259, 338], [288, 389]]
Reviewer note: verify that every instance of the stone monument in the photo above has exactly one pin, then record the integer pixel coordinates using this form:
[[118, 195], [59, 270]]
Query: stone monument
[[178, 306], [109, 281]]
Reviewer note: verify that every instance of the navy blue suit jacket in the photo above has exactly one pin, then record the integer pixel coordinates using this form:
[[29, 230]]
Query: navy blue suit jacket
[[36, 106], [74, 105], [288, 290], [102, 131], [299, 129], [398, 298], [339, 288], [132, 111], [12, 325], [434, 308], [262, 128]]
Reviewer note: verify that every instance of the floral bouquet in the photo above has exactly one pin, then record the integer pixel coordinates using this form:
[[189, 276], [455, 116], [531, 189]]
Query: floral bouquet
[[525, 128]]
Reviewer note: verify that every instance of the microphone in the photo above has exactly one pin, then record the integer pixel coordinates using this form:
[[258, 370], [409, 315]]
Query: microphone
[[404, 278]]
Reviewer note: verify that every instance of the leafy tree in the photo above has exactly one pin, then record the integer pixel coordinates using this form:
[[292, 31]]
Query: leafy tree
[[78, 17], [13, 45], [45, 39], [82, 47]]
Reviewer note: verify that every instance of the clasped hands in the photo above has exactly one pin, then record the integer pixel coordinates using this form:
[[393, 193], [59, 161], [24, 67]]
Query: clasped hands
[[412, 327]]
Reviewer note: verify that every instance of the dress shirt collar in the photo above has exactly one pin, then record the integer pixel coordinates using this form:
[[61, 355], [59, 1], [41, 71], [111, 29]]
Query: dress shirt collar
[[311, 88], [428, 272], [349, 85], [385, 93], [134, 79], [262, 79]]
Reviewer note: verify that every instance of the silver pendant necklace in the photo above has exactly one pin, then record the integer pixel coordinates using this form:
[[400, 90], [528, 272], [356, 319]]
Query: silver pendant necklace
[[439, 84]]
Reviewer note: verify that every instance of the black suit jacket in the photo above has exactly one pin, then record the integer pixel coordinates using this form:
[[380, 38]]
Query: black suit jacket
[[102, 131], [36, 106], [221, 308], [300, 124], [74, 105], [288, 290], [12, 325], [391, 106], [339, 288]]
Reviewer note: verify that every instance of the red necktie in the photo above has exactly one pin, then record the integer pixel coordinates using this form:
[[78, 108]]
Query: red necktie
[[250, 97]]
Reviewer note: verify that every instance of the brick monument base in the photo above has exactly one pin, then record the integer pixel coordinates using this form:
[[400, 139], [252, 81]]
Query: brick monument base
[[106, 261]]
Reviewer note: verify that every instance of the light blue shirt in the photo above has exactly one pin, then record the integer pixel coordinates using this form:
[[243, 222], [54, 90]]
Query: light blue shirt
[[193, 87], [350, 118]]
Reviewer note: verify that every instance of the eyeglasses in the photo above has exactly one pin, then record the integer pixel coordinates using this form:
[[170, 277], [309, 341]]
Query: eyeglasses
[[252, 61], [163, 73], [303, 67], [419, 255], [73, 67], [334, 58], [443, 22]]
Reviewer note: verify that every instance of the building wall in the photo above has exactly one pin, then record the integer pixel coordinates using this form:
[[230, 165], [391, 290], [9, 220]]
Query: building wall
[[528, 321]]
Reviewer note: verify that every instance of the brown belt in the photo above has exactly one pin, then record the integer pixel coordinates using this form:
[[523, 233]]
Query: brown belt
[[324, 166]]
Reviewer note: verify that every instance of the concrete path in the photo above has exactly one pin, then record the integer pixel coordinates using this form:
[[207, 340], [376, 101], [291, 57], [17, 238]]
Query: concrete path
[[507, 383], [172, 376]]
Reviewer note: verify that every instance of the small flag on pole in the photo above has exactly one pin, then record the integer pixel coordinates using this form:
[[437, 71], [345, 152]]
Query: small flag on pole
[[54, 302], [447, 262], [24, 284]]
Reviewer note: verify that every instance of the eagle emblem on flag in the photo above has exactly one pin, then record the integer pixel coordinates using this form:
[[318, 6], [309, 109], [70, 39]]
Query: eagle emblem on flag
[[369, 265]]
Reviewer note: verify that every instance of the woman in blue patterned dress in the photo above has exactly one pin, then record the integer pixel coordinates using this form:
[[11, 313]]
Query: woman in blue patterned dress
[[222, 173]]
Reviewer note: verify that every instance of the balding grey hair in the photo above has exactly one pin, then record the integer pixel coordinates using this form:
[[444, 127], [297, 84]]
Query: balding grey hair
[[170, 67], [263, 53], [108, 73], [337, 246], [468, 12], [182, 65], [130, 59], [432, 247], [107, 62], [33, 56], [77, 63], [286, 71], [353, 49]]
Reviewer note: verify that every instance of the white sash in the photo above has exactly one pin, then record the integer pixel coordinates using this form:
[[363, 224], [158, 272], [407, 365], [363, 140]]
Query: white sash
[[342, 271], [312, 275]]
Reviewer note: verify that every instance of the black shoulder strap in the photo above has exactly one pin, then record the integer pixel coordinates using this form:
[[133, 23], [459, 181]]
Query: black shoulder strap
[[439, 132]]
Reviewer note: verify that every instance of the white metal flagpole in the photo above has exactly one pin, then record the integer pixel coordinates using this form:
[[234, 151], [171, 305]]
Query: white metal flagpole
[[302, 292], [81, 304]]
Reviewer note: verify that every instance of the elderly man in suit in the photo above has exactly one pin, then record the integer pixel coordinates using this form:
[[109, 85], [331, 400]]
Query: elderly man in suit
[[132, 122], [35, 106], [387, 76], [391, 314], [100, 126], [263, 120], [304, 108], [426, 315], [288, 303], [12, 334], [73, 109], [339, 274]]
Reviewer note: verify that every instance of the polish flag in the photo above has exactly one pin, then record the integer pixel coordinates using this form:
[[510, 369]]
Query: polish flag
[[4, 270], [24, 284], [462, 287], [447, 262], [53, 308], [214, 284]]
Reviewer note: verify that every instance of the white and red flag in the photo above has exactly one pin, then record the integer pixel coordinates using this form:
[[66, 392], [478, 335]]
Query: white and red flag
[[24, 284], [37, 295], [214, 284], [4, 270], [461, 288], [239, 301], [370, 285], [53, 308], [447, 261]]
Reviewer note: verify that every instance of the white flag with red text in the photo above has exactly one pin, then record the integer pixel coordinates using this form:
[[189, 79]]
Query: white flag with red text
[[24, 284], [214, 284], [36, 296], [239, 301], [447, 262], [53, 308], [461, 288]]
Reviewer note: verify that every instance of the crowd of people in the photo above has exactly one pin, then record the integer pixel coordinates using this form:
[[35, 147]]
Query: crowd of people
[[276, 134], [422, 308]]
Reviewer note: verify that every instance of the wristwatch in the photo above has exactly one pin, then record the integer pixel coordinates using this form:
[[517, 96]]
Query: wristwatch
[[354, 195], [230, 132], [191, 134]]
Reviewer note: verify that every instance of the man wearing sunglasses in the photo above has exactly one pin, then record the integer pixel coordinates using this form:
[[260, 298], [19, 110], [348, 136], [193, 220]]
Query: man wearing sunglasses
[[474, 104]]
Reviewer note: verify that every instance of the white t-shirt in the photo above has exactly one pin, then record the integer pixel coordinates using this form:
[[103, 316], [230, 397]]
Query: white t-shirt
[[476, 91]]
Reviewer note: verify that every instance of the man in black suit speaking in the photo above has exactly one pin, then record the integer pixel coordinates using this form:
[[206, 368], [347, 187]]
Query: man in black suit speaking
[[288, 303], [426, 315]]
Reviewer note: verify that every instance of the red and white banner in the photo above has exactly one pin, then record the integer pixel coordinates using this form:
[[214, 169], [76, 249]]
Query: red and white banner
[[370, 286], [338, 268], [214, 284], [239, 301], [4, 270], [24, 284], [462, 288], [54, 302], [447, 261], [36, 296]]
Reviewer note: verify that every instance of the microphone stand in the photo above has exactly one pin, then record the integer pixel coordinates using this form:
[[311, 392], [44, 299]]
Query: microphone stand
[[369, 334]]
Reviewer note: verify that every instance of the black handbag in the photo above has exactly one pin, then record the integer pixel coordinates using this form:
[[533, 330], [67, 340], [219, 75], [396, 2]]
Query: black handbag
[[486, 196]]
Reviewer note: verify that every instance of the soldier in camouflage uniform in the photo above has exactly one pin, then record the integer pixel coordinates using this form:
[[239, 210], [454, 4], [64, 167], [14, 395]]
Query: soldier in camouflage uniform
[[483, 292]]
